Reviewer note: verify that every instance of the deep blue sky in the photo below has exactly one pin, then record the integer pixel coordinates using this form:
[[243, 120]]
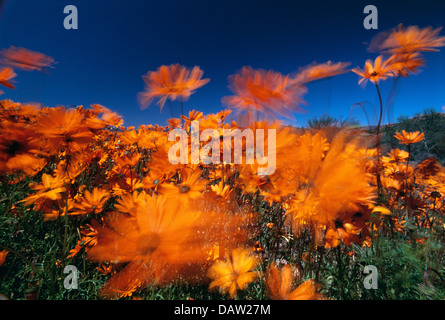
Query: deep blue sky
[[119, 41]]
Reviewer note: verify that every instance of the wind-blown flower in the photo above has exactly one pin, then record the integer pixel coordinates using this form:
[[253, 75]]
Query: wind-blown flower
[[162, 239], [407, 40], [91, 202], [50, 188], [269, 92], [190, 187], [171, 82], [24, 59], [234, 273], [317, 71], [19, 149], [64, 128], [279, 285], [406, 63]]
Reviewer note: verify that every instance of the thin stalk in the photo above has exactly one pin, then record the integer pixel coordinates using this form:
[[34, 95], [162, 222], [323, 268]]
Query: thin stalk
[[379, 182], [406, 176], [65, 234]]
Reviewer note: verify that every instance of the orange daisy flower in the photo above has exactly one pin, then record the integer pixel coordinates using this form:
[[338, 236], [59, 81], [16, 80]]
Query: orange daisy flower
[[266, 91], [279, 285], [64, 129], [161, 240], [18, 150], [50, 188], [408, 39], [92, 202], [193, 116], [396, 156], [171, 82], [234, 273], [406, 63], [190, 187], [409, 137], [375, 72]]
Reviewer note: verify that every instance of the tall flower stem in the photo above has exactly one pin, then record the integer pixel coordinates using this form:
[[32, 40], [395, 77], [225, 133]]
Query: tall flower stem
[[379, 181], [65, 233], [406, 175]]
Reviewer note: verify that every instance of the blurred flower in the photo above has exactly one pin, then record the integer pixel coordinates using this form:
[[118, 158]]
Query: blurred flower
[[346, 232], [64, 129], [171, 82], [336, 184], [279, 285], [50, 188], [409, 137], [163, 239], [88, 240], [19, 150], [319, 71], [193, 116], [269, 92], [25, 59], [381, 210], [407, 40], [428, 167], [221, 190], [190, 186], [91, 202], [235, 272], [406, 63], [174, 123], [396, 156], [7, 74]]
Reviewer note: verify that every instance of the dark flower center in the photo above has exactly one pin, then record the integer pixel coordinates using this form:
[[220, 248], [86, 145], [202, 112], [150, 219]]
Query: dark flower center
[[184, 189], [338, 224], [13, 148]]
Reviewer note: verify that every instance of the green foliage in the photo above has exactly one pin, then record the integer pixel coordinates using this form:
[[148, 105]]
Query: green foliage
[[431, 123], [326, 120]]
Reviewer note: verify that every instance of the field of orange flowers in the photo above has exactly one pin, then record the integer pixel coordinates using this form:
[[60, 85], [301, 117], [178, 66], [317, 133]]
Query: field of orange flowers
[[78, 188]]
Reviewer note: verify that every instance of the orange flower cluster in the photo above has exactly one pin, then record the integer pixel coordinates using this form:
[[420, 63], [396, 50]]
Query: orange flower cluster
[[401, 52], [154, 222], [159, 221]]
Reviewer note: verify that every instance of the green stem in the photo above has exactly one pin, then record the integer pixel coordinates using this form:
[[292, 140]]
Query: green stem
[[65, 234], [379, 182]]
